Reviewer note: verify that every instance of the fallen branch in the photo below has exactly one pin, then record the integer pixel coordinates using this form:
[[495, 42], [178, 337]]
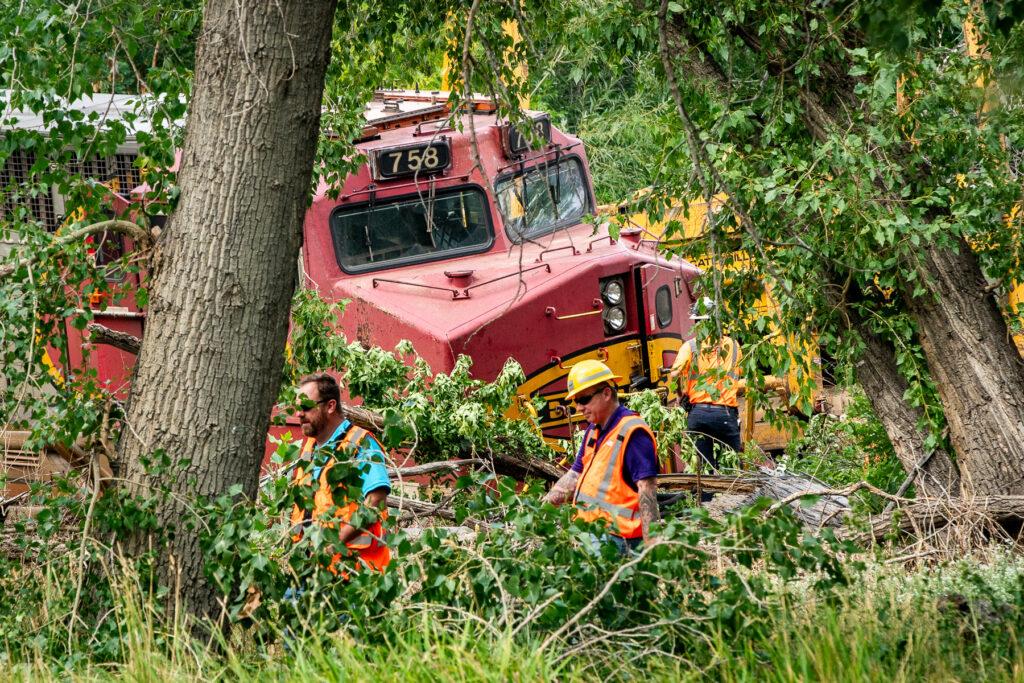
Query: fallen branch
[[788, 487], [936, 513], [910, 479], [637, 559], [420, 508], [522, 465], [716, 483], [432, 467], [101, 334], [844, 492], [136, 232], [361, 417]]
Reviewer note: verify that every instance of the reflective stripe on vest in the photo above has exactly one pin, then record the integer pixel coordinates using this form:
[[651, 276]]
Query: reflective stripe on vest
[[601, 499], [611, 498]]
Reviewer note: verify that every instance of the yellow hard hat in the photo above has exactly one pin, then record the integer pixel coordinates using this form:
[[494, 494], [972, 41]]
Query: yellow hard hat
[[588, 373]]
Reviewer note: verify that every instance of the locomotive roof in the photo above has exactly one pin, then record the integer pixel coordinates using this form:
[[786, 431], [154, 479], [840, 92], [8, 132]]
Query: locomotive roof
[[388, 109], [133, 111]]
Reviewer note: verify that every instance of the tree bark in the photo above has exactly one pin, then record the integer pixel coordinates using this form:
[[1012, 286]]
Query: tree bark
[[977, 369], [885, 387], [210, 365]]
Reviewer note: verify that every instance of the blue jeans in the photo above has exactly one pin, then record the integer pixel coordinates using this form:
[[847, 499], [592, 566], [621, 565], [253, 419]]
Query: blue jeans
[[625, 546]]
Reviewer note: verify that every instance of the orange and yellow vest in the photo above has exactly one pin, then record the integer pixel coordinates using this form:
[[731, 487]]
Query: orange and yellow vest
[[723, 358], [368, 544], [601, 492]]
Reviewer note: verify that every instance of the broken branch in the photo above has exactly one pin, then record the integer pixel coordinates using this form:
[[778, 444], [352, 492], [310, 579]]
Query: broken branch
[[136, 232], [101, 334]]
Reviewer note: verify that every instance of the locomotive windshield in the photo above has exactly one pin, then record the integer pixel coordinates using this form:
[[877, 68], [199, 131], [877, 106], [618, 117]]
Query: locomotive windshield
[[409, 230], [542, 199]]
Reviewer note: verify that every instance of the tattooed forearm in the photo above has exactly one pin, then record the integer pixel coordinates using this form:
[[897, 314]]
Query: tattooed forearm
[[563, 489], [647, 490]]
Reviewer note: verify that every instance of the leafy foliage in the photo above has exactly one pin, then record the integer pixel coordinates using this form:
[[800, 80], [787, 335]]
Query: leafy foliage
[[442, 415]]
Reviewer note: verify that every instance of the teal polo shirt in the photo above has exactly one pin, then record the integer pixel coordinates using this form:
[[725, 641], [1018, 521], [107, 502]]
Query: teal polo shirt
[[370, 457]]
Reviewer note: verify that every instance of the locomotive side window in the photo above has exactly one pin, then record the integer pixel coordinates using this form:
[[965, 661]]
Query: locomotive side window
[[410, 230], [543, 199], [663, 306]]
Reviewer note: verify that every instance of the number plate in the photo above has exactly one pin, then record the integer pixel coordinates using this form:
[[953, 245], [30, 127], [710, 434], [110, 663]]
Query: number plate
[[517, 144], [399, 162]]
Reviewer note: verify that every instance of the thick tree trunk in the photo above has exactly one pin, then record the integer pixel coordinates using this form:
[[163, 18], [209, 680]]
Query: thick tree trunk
[[977, 369], [210, 365], [885, 387]]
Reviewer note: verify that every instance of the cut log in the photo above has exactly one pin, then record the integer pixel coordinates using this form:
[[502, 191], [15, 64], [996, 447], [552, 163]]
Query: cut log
[[713, 483]]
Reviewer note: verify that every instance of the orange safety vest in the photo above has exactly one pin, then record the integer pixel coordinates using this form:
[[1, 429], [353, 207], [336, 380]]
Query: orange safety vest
[[724, 358], [369, 543], [601, 492]]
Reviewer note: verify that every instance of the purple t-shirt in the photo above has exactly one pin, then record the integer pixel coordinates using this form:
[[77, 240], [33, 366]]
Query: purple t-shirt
[[640, 462]]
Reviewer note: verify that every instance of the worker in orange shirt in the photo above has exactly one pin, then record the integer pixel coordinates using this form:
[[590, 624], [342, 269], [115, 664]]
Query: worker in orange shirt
[[709, 376], [325, 428]]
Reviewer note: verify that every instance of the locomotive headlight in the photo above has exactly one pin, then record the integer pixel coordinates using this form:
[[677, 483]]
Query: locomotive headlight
[[612, 293], [615, 318]]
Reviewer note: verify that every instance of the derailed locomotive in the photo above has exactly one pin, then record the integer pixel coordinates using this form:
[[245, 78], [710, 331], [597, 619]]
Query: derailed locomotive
[[466, 236]]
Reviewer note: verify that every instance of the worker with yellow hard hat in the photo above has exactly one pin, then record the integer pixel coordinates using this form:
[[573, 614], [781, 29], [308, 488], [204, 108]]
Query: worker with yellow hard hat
[[614, 475], [709, 376]]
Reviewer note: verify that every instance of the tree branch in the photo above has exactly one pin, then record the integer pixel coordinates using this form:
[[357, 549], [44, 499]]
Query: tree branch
[[136, 232], [101, 334]]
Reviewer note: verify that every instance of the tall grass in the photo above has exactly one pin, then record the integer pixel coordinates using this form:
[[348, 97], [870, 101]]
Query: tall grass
[[960, 621]]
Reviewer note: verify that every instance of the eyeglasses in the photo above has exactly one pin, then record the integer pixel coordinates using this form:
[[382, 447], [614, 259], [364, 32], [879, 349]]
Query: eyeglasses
[[303, 404], [584, 400]]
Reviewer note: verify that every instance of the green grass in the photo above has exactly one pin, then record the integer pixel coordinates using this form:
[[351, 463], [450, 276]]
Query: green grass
[[960, 621]]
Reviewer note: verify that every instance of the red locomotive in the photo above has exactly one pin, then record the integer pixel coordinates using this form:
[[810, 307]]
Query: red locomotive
[[488, 253]]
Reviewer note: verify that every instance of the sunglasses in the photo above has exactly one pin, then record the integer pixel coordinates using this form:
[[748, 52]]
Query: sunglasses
[[304, 404], [584, 400]]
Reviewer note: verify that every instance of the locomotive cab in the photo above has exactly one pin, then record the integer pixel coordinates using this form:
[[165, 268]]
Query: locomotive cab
[[465, 235]]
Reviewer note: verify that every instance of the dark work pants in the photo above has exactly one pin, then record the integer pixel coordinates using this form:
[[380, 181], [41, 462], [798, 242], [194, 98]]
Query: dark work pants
[[715, 424]]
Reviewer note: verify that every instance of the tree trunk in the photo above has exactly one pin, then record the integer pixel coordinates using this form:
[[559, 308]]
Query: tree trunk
[[210, 366], [885, 387], [978, 371]]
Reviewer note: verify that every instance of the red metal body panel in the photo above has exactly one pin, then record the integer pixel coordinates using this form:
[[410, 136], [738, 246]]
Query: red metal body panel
[[113, 366]]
